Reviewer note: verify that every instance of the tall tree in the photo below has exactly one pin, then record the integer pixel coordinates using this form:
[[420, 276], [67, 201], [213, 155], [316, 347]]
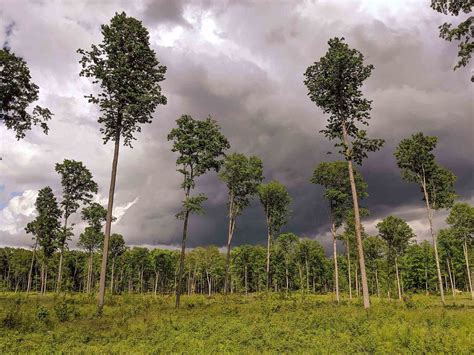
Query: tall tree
[[463, 32], [200, 146], [417, 164], [129, 75], [397, 234], [17, 92], [78, 187], [461, 220], [374, 249], [334, 178], [275, 200], [46, 228], [242, 176], [334, 85], [92, 238]]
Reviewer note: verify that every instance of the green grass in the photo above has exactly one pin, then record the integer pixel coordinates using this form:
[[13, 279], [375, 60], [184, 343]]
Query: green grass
[[239, 324]]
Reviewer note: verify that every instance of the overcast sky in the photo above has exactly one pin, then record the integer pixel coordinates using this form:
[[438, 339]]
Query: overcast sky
[[243, 64]]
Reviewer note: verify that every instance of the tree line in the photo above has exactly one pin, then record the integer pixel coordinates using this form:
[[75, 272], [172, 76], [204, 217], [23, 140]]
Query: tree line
[[128, 75]]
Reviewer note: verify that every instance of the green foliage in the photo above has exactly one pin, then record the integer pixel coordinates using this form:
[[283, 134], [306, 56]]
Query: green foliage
[[417, 164], [129, 75], [117, 246], [17, 92], [275, 200], [396, 233], [463, 32], [42, 313], [461, 220], [65, 310], [252, 324], [45, 227], [334, 85], [334, 177], [242, 176]]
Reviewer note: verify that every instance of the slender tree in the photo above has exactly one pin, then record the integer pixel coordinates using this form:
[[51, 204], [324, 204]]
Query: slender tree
[[334, 85], [17, 93], [200, 146], [242, 176], [46, 228], [275, 200], [417, 164], [397, 234], [374, 249], [286, 245], [463, 32], [78, 187], [461, 220], [334, 178], [129, 75]]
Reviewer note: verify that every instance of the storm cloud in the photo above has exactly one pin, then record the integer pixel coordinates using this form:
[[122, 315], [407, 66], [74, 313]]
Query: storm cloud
[[243, 64]]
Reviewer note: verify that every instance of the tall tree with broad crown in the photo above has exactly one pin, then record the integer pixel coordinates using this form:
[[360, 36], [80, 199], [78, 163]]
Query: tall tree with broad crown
[[78, 187], [129, 74], [200, 146], [334, 85], [335, 180], [242, 176], [461, 220], [276, 201], [397, 234], [417, 164], [17, 92], [46, 228]]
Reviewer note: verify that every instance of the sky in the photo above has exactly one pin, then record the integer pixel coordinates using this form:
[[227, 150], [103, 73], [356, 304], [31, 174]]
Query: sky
[[242, 62]]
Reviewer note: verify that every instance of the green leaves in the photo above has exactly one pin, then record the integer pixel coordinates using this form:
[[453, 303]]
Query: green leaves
[[78, 185], [242, 176], [396, 233], [334, 177], [17, 92], [45, 227], [461, 220], [275, 200], [417, 164], [334, 85], [201, 146], [129, 75]]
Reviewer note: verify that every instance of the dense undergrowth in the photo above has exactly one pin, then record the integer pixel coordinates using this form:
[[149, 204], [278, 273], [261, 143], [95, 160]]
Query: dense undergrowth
[[272, 323]]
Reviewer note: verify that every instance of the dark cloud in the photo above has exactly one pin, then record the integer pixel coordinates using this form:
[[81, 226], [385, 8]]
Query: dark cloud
[[243, 63]]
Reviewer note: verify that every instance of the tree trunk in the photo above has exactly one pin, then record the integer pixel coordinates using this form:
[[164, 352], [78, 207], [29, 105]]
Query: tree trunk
[[377, 283], [450, 279], [453, 271], [30, 273], [287, 277], [435, 242], [229, 240], [360, 249], [89, 273], [468, 270], [356, 277], [269, 240], [334, 250], [348, 251], [156, 283], [398, 280], [108, 223], [61, 255], [307, 273], [181, 260]]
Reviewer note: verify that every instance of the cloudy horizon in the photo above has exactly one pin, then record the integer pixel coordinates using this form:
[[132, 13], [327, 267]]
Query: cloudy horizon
[[243, 64]]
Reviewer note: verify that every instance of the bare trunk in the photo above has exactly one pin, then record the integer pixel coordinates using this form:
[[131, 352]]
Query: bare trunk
[[435, 242], [108, 223], [246, 285], [468, 270], [269, 240], [450, 278], [334, 250], [348, 251], [112, 278], [307, 273], [398, 280], [230, 234], [356, 277], [287, 277], [181, 260], [360, 249], [377, 283], [61, 256], [30, 273], [156, 283]]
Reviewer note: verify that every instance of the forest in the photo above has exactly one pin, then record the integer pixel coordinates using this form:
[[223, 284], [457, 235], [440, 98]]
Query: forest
[[389, 291]]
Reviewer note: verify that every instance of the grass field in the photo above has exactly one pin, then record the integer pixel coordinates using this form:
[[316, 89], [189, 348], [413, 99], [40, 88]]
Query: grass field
[[262, 323]]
